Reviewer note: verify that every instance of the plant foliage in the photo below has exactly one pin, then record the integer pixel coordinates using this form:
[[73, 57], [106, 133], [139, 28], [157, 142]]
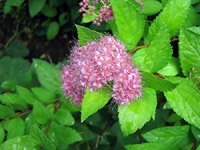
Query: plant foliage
[[163, 39]]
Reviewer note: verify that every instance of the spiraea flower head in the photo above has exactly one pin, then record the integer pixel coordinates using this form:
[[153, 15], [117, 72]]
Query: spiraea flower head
[[98, 63], [102, 13], [102, 9]]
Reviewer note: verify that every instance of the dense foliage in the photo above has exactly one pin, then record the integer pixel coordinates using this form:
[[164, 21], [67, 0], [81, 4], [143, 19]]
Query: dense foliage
[[162, 38]]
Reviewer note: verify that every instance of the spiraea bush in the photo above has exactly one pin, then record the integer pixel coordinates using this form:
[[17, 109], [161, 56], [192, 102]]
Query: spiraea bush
[[133, 83]]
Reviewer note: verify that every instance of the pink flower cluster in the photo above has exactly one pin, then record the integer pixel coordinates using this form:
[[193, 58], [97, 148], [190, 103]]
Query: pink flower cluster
[[97, 64], [90, 7], [104, 13]]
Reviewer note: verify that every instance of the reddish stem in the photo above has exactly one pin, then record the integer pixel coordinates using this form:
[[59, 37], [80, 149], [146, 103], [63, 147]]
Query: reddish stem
[[136, 48]]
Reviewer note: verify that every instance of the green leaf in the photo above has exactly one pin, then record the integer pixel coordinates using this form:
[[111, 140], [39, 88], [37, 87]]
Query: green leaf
[[195, 1], [40, 136], [9, 3], [171, 69], [177, 136], [8, 86], [26, 142], [139, 112], [63, 136], [14, 127], [157, 55], [196, 133], [192, 18], [46, 23], [151, 146], [75, 13], [164, 2], [173, 118], [189, 50], [173, 16], [17, 49], [86, 35], [96, 120], [85, 132], [49, 11], [17, 72], [151, 7], [35, 6], [198, 148], [130, 22], [64, 117], [6, 111], [40, 113], [43, 95], [29, 122], [96, 99], [115, 131], [14, 101], [112, 24], [25, 94], [156, 83], [69, 105], [88, 18], [1, 133], [175, 80], [63, 18], [48, 75], [184, 100], [196, 7], [52, 30]]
